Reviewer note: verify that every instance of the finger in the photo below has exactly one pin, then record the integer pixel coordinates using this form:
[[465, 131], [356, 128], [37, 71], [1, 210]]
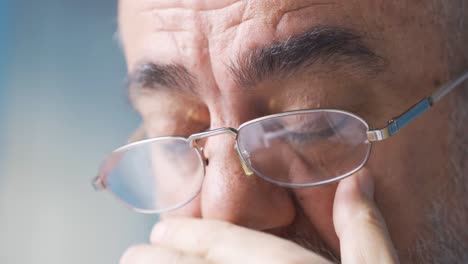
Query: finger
[[148, 254], [221, 242], [359, 224]]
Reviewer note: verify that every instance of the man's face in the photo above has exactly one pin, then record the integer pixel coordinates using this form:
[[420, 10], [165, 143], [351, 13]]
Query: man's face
[[372, 58]]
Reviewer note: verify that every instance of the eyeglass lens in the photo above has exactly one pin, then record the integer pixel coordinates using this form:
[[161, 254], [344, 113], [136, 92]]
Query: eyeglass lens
[[305, 148], [294, 150], [157, 175]]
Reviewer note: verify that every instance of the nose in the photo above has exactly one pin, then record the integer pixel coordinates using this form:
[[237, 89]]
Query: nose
[[229, 194]]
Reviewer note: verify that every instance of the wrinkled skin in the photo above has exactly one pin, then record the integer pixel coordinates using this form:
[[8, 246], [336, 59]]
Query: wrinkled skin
[[409, 169]]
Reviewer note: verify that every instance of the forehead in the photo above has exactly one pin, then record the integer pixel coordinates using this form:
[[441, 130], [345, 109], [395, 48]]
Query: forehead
[[190, 32], [206, 36]]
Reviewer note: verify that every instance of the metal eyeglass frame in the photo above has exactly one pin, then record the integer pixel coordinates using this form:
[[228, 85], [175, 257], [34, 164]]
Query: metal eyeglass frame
[[393, 126]]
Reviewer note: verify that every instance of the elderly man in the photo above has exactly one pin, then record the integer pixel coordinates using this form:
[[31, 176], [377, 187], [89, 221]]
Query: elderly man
[[320, 80]]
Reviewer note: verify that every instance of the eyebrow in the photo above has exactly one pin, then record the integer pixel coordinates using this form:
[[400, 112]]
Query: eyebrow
[[322, 45], [150, 75], [330, 46]]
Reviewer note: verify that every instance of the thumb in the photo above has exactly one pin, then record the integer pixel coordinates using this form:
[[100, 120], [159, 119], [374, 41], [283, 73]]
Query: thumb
[[359, 224]]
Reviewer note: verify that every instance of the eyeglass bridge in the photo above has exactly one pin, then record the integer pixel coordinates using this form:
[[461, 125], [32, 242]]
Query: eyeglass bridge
[[214, 132], [219, 131]]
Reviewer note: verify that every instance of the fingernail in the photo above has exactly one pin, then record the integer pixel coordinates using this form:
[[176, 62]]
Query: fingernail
[[366, 184]]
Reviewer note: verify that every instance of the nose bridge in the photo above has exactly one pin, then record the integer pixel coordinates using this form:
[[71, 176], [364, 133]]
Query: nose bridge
[[228, 195]]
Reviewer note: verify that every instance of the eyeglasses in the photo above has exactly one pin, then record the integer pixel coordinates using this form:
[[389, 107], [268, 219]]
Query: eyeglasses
[[294, 149]]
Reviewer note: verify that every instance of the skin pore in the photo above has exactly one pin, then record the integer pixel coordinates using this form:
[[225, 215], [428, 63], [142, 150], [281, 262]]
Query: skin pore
[[417, 173]]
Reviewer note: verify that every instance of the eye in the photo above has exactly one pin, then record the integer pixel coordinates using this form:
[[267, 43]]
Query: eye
[[315, 129], [174, 151], [176, 122]]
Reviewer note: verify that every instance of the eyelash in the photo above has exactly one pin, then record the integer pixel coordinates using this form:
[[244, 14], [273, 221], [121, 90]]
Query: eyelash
[[310, 136], [316, 135]]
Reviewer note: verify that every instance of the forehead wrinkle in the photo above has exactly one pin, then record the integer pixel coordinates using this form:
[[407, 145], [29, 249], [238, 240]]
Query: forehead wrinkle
[[189, 27], [290, 12], [171, 20], [189, 49], [191, 16], [267, 11], [256, 24], [196, 5]]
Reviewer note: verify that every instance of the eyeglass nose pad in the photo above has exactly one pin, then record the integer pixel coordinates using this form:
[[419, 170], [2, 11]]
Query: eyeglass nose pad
[[200, 149], [247, 170]]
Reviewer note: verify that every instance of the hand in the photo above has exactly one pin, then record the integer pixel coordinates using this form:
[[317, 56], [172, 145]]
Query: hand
[[358, 223]]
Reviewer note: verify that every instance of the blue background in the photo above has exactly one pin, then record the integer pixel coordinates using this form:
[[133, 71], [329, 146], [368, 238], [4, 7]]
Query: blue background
[[62, 109]]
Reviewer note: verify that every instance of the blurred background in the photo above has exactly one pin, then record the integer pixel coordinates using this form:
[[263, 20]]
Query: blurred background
[[62, 109]]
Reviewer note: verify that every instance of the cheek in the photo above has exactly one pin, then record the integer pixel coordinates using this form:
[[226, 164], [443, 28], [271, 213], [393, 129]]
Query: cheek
[[317, 204], [177, 177], [192, 209], [395, 192], [409, 173]]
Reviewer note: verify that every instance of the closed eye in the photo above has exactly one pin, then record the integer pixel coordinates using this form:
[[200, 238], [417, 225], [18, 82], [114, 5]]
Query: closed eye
[[310, 132]]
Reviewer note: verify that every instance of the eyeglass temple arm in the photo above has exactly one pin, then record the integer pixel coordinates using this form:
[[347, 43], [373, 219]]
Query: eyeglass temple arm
[[397, 123]]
